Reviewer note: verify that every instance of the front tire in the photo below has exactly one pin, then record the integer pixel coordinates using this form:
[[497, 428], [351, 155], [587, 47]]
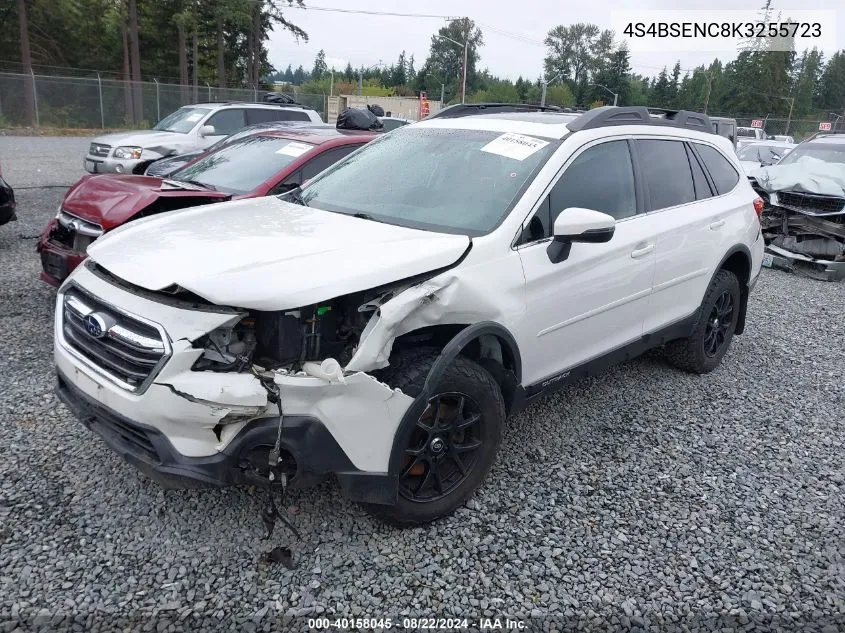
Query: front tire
[[702, 351], [454, 442]]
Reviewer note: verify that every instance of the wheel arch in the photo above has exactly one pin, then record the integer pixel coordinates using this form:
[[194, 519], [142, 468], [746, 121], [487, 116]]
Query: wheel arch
[[738, 261], [469, 341]]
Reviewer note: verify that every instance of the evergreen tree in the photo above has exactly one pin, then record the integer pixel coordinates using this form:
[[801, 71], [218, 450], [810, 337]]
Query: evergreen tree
[[320, 66]]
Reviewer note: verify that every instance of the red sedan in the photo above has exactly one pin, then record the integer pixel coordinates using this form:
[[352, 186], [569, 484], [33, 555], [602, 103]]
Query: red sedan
[[263, 164]]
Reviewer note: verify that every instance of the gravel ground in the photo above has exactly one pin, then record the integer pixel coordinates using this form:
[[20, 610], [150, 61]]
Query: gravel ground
[[642, 497]]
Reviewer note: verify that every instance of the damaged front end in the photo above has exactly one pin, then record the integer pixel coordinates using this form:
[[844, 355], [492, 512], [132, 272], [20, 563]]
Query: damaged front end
[[803, 220], [196, 394]]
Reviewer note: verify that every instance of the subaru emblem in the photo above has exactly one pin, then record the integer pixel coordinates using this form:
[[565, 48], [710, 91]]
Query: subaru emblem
[[95, 325]]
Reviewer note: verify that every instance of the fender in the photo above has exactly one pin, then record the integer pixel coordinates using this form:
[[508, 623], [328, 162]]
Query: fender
[[744, 288], [447, 355]]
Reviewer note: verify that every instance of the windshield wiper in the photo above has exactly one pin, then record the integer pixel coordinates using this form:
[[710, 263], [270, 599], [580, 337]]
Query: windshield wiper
[[366, 216], [204, 185], [296, 196]]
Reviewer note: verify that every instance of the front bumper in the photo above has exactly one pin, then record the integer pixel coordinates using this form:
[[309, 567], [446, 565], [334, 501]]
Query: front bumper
[[193, 421], [110, 165], [822, 269], [57, 262], [306, 441]]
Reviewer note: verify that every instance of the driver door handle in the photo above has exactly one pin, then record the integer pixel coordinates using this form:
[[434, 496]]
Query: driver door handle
[[718, 224], [642, 250]]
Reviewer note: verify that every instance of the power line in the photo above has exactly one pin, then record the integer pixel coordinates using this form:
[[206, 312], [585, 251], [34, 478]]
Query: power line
[[311, 7]]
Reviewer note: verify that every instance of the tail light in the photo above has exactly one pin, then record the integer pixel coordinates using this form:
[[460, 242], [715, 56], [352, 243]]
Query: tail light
[[758, 206]]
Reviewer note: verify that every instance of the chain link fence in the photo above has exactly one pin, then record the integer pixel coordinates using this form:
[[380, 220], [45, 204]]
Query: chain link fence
[[97, 102], [798, 129], [102, 103]]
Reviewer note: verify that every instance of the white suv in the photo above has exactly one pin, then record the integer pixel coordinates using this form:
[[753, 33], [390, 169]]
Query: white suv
[[187, 129], [383, 334]]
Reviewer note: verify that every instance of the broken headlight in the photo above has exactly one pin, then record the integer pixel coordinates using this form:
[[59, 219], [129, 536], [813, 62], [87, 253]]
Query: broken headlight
[[228, 349]]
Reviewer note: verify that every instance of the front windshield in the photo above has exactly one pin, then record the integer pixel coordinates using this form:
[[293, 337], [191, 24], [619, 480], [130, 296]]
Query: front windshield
[[446, 180], [829, 153], [765, 154], [241, 166], [746, 132], [182, 121]]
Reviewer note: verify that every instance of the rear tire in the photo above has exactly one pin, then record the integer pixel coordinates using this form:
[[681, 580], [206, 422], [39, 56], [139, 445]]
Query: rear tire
[[442, 466], [702, 351]]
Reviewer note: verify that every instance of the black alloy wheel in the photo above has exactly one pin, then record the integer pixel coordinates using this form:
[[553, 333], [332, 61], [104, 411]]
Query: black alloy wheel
[[444, 448], [719, 323]]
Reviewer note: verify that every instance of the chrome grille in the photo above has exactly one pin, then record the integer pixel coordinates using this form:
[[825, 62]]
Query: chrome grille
[[124, 349], [98, 149], [75, 232]]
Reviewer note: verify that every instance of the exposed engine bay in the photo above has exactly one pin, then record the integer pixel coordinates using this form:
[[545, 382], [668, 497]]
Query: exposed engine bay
[[288, 339]]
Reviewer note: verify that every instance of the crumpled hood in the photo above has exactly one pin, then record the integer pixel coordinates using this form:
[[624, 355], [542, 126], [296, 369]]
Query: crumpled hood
[[807, 175], [160, 142], [111, 199], [749, 166], [266, 254]]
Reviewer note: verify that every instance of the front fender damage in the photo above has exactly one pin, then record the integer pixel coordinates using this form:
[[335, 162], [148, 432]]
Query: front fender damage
[[445, 299]]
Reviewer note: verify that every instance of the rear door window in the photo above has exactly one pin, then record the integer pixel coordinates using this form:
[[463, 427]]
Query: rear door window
[[325, 160], [721, 171], [668, 178], [702, 187], [267, 115], [227, 122]]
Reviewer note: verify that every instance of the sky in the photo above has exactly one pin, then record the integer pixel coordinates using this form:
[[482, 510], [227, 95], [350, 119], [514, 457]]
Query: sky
[[513, 32]]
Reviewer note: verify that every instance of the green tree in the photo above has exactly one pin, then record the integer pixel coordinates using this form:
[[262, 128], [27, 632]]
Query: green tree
[[320, 66], [832, 85], [446, 57], [661, 94], [806, 81], [577, 51]]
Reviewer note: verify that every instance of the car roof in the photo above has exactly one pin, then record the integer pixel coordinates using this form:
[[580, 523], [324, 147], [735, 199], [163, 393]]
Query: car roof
[[828, 138], [773, 141], [318, 136], [544, 124], [552, 125], [250, 104]]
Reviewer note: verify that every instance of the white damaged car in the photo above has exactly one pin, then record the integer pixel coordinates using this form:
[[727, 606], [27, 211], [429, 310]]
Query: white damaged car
[[381, 324]]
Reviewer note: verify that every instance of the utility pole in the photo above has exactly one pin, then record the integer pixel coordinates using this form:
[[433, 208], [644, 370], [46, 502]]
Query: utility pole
[[615, 95], [465, 45], [709, 86], [789, 117], [466, 59]]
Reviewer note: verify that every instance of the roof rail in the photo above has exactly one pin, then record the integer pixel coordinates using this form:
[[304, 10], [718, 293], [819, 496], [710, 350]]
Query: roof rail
[[605, 116], [469, 109]]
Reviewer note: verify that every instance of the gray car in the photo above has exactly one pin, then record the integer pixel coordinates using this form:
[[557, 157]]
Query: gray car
[[188, 129]]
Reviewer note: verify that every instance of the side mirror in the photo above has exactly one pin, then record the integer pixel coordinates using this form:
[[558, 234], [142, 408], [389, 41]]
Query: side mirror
[[207, 130], [579, 225]]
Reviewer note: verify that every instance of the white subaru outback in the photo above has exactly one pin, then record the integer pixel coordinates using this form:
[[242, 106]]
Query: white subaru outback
[[382, 323]]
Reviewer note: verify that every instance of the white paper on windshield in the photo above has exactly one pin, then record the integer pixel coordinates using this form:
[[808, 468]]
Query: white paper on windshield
[[193, 118], [514, 146], [294, 149]]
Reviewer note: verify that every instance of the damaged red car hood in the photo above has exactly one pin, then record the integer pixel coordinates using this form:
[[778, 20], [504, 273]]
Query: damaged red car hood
[[267, 254], [111, 199]]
